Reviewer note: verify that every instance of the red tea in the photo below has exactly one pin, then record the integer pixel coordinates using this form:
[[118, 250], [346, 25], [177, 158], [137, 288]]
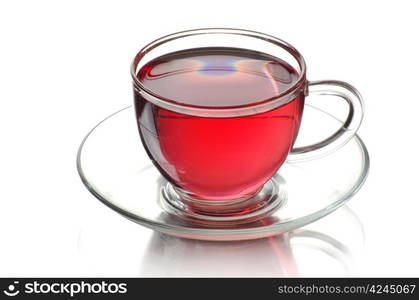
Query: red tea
[[218, 158]]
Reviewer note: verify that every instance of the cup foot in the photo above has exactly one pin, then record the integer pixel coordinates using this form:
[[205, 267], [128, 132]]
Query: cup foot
[[227, 212]]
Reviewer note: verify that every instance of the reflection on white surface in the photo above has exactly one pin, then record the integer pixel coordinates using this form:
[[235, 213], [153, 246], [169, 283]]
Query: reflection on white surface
[[116, 247], [324, 248], [172, 256]]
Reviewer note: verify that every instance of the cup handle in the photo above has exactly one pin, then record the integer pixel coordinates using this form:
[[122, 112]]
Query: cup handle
[[348, 93]]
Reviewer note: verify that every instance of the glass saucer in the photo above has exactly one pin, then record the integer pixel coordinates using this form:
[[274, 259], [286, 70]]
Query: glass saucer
[[116, 169]]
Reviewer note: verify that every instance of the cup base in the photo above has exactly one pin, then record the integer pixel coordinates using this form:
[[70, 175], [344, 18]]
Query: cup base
[[226, 212]]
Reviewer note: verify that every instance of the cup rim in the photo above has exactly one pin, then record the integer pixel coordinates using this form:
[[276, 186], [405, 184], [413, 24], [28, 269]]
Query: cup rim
[[284, 95]]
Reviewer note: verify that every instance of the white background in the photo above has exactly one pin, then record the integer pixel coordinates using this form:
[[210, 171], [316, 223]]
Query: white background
[[64, 65]]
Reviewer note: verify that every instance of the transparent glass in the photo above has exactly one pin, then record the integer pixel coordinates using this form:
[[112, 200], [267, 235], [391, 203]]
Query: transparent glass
[[115, 168], [256, 198]]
